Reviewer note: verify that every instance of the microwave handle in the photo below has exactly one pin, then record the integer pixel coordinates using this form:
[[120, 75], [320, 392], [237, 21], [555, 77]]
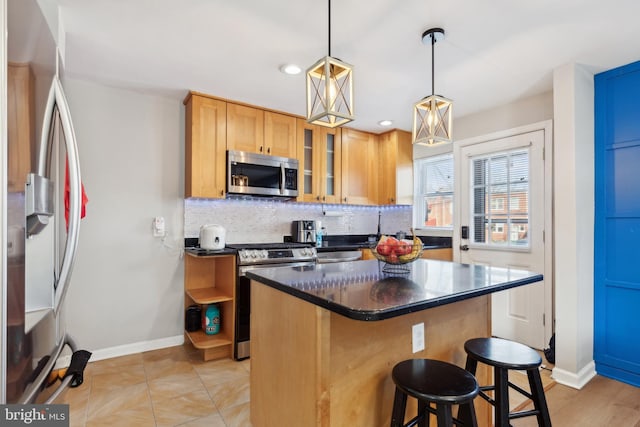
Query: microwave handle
[[282, 178]]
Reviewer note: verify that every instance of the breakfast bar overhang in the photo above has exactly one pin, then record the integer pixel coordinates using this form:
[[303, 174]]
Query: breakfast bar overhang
[[325, 337]]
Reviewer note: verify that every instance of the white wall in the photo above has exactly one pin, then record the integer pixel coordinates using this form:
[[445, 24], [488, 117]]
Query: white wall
[[127, 288], [574, 220]]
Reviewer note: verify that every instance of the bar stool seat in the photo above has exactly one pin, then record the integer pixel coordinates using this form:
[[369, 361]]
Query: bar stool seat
[[432, 382], [504, 355]]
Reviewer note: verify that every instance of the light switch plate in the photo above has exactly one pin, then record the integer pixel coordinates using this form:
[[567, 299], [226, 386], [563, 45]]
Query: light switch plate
[[417, 337]]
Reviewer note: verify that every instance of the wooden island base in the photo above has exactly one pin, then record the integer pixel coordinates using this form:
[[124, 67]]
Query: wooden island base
[[313, 367]]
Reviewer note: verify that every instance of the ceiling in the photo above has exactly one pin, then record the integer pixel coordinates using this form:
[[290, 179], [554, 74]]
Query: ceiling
[[494, 52]]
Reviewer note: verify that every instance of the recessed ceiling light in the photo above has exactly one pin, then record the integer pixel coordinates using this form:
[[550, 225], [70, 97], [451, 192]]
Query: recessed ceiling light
[[291, 69], [385, 122]]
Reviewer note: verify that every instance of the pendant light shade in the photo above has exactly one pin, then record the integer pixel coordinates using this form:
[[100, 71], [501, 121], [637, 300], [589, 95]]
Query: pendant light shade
[[432, 116], [330, 90]]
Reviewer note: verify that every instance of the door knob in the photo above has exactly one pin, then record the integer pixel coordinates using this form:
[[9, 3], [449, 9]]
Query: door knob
[[464, 247]]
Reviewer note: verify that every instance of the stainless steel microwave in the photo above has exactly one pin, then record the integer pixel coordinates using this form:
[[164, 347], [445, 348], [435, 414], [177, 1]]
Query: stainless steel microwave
[[255, 174]]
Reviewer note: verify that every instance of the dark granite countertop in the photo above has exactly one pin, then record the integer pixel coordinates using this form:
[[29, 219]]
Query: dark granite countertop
[[354, 242], [360, 290], [196, 251]]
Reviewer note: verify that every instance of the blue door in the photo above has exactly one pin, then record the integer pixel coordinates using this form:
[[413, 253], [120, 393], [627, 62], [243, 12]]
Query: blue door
[[617, 224]]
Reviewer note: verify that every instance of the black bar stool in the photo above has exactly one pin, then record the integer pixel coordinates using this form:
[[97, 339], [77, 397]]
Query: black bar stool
[[504, 355], [433, 382]]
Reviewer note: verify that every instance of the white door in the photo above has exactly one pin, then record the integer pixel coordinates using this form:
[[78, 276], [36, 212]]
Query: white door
[[502, 205]]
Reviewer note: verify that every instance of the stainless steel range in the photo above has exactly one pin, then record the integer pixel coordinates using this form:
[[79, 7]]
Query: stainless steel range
[[261, 255]]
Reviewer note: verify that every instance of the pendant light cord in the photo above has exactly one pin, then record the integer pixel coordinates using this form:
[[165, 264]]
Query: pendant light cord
[[433, 78], [329, 30]]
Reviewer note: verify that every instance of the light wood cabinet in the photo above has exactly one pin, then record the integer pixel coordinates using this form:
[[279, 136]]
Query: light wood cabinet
[[337, 370], [395, 160], [443, 254], [336, 165], [245, 128], [211, 280], [205, 147], [20, 125], [359, 168], [279, 134], [319, 154], [366, 254], [258, 131]]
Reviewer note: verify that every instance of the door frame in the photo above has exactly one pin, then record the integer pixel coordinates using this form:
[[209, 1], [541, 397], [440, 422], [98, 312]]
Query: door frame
[[547, 127]]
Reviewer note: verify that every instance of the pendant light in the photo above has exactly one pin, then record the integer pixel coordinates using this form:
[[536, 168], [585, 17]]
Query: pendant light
[[432, 115], [330, 90]]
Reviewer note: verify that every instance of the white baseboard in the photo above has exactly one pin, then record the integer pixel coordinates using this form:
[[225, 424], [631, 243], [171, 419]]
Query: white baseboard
[[124, 350], [575, 380]]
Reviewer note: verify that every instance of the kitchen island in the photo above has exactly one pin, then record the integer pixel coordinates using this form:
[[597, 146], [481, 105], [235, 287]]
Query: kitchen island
[[325, 337]]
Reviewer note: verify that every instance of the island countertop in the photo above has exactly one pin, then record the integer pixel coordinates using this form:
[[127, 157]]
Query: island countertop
[[360, 290]]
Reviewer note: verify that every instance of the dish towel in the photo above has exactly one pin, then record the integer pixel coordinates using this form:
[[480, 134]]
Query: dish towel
[[85, 199]]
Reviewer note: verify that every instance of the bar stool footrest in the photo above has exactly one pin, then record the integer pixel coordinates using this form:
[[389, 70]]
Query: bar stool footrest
[[520, 390], [522, 414]]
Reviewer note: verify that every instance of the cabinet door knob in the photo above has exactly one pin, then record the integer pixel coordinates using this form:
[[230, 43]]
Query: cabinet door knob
[[324, 198], [222, 192], [318, 198], [345, 200], [269, 150], [261, 148]]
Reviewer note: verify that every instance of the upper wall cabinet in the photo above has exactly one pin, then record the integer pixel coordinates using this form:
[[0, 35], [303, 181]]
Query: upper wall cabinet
[[395, 159], [205, 147], [319, 154], [359, 168], [279, 134], [20, 117], [245, 128], [257, 131]]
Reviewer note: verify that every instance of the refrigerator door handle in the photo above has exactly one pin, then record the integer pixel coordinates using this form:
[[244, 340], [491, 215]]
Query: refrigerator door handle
[[35, 387], [57, 99]]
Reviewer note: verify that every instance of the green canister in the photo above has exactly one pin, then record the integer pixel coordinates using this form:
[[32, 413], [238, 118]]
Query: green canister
[[211, 320]]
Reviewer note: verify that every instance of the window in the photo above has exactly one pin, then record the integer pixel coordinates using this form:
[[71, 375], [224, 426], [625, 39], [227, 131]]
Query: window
[[497, 203], [514, 203], [497, 179], [433, 205]]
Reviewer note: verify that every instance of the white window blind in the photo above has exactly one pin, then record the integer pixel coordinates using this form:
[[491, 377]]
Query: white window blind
[[496, 179]]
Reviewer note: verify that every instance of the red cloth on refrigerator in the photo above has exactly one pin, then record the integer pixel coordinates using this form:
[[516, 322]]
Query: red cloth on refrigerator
[[85, 199]]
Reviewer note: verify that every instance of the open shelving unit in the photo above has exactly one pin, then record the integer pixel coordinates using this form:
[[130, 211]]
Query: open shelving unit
[[211, 280]]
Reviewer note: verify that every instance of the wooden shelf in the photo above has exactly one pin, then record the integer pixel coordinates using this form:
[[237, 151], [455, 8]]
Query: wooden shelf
[[203, 341], [212, 280], [208, 295]]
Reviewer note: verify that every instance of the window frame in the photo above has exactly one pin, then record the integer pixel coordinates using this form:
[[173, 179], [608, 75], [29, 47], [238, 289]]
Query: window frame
[[510, 221], [418, 195]]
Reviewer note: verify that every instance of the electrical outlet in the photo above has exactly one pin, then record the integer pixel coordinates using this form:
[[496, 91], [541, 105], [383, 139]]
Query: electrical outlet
[[417, 337], [158, 227]]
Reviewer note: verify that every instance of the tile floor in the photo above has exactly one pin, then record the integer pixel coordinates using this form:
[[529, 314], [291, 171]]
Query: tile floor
[[167, 387], [175, 387]]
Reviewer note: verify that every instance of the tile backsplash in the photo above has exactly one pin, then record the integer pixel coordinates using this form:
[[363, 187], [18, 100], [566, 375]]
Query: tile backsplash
[[259, 221]]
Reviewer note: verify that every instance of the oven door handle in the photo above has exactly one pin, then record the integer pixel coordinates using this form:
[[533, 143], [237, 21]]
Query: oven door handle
[[242, 270]]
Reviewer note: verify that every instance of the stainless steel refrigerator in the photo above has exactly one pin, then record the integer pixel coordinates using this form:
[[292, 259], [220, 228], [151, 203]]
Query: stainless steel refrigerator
[[42, 182]]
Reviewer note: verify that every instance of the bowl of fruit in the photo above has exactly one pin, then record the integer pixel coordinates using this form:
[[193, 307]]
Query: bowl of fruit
[[397, 251]]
